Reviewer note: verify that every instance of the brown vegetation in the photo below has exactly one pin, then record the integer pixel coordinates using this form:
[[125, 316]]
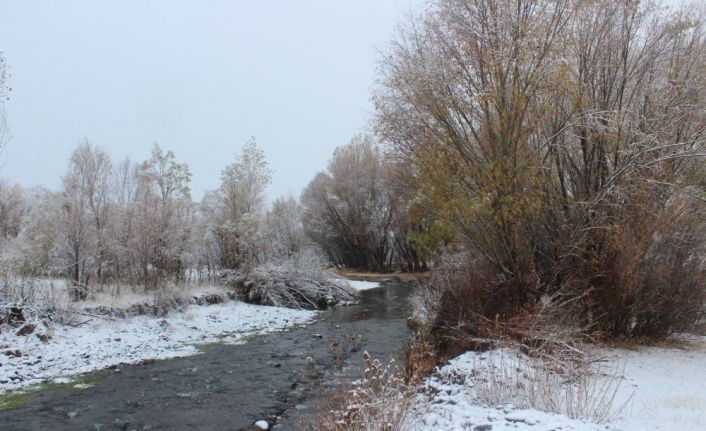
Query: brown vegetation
[[561, 141]]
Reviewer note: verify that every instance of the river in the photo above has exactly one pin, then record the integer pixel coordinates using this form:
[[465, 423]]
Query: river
[[280, 377]]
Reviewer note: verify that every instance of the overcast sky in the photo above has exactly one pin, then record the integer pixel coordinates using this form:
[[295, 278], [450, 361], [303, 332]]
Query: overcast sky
[[197, 77]]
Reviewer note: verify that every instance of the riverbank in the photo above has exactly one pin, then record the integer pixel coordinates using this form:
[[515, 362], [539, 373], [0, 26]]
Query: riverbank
[[404, 277], [655, 388], [280, 378], [98, 342]]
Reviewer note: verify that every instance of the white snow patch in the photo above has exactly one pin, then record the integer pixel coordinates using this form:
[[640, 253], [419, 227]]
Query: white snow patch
[[357, 284], [100, 343], [666, 386], [363, 285]]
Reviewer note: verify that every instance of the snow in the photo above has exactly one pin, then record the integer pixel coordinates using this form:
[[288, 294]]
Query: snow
[[363, 285], [100, 343], [262, 425], [669, 391], [454, 407], [663, 388], [358, 284]]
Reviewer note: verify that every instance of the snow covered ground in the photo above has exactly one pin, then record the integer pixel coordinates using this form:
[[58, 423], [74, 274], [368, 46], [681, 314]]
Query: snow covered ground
[[359, 284], [99, 342], [664, 389]]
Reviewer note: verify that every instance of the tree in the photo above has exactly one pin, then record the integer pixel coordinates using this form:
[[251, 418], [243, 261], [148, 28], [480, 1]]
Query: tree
[[348, 211], [163, 217], [283, 230], [559, 138], [93, 169], [241, 199], [13, 207]]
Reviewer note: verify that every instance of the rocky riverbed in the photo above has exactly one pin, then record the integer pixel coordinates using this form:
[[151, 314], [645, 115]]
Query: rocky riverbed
[[276, 377]]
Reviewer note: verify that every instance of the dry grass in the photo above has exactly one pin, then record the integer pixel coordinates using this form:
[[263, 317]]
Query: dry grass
[[579, 386], [380, 400]]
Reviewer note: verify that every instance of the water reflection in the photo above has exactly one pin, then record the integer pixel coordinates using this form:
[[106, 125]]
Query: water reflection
[[389, 301]]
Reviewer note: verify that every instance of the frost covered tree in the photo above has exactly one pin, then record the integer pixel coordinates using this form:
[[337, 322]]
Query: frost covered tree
[[91, 168], [283, 232], [347, 210], [13, 207], [240, 201], [163, 217]]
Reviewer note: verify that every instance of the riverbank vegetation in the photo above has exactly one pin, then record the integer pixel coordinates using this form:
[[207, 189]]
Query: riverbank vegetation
[[561, 145]]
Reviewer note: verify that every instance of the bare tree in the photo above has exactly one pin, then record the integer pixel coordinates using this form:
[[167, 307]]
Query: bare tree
[[13, 207], [347, 210]]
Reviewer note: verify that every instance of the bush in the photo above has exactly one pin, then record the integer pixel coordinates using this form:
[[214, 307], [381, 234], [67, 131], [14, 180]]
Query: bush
[[380, 400]]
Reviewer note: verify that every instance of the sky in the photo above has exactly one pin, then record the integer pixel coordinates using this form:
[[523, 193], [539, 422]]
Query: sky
[[197, 77]]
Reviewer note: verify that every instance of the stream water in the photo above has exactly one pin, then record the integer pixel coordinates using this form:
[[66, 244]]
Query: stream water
[[279, 377]]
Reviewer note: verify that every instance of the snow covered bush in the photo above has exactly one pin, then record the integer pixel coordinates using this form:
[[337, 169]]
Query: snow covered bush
[[299, 281], [32, 300]]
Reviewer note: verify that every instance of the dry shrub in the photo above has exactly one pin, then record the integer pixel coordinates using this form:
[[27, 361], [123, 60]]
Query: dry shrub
[[380, 401], [580, 387], [635, 270], [29, 300]]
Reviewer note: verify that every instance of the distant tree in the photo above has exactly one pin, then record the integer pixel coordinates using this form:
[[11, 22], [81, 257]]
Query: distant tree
[[240, 200], [40, 242], [283, 230], [92, 168], [13, 207], [348, 211], [163, 216]]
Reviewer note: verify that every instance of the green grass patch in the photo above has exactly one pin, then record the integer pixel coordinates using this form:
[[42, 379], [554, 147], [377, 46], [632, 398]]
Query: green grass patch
[[20, 398]]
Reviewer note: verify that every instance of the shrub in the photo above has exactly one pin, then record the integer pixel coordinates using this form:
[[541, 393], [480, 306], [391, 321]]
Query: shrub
[[380, 400]]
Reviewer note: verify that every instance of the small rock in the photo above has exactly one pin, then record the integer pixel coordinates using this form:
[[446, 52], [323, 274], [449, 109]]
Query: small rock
[[483, 427], [262, 425], [518, 417], [15, 353], [26, 329], [44, 338]]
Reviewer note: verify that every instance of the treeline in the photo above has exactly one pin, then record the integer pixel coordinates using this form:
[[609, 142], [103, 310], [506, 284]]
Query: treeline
[[137, 223]]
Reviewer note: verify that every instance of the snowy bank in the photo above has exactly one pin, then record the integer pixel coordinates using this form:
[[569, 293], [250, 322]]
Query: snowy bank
[[363, 285], [660, 389], [99, 343], [357, 284]]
